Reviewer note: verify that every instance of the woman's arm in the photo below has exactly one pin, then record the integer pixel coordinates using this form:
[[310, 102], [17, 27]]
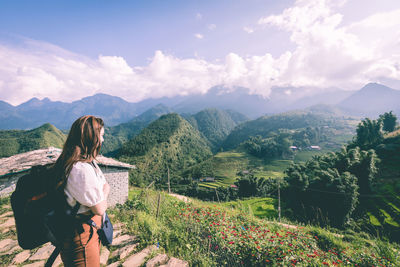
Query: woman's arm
[[101, 207]]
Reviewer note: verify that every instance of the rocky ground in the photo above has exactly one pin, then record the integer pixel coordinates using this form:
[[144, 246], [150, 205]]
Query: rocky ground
[[123, 252]]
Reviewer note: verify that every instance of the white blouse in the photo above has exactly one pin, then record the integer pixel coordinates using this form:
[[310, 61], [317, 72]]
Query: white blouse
[[85, 185]]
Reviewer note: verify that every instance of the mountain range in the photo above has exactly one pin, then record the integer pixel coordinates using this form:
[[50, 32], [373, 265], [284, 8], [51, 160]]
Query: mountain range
[[371, 100], [213, 125]]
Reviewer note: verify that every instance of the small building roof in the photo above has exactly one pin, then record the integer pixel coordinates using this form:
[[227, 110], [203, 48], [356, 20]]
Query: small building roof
[[25, 161]]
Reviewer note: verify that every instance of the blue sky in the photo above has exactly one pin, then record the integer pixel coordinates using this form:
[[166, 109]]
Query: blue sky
[[66, 50], [135, 29]]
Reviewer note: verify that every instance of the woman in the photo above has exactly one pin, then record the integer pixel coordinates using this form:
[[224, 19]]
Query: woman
[[84, 183]]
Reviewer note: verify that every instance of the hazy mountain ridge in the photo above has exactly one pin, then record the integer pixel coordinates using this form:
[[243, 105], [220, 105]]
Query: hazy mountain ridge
[[35, 112], [372, 100]]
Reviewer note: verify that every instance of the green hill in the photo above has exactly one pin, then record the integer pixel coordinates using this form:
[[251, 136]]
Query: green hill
[[170, 142], [338, 128], [114, 137], [18, 141], [215, 124]]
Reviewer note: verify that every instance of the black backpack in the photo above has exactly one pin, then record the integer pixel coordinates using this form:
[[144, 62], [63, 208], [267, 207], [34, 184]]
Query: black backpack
[[40, 209]]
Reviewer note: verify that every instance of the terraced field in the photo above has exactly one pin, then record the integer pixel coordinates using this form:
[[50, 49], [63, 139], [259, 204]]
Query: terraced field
[[383, 213], [226, 166]]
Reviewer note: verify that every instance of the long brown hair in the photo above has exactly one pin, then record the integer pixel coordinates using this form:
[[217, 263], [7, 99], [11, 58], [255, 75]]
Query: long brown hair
[[83, 144]]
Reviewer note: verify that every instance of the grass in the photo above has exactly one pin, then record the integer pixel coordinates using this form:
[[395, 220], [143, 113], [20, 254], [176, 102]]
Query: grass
[[388, 219], [232, 233], [373, 220], [305, 155], [260, 207]]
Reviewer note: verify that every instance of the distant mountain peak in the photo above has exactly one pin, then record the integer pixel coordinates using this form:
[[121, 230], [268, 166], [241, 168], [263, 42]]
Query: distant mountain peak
[[34, 102], [373, 87]]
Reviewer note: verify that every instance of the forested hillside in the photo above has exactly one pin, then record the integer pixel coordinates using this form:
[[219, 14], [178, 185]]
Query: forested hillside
[[18, 141], [169, 142], [355, 187], [215, 124], [266, 126], [115, 137]]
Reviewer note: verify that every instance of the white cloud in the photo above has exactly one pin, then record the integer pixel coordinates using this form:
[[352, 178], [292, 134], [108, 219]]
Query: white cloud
[[327, 54], [248, 29], [199, 16], [199, 36], [211, 27], [68, 77]]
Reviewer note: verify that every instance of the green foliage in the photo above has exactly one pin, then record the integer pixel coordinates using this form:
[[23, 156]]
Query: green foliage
[[388, 120], [249, 185], [326, 188], [369, 134], [169, 142], [214, 124], [18, 141]]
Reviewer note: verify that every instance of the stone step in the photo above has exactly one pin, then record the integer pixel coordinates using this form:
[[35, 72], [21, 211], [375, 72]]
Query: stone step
[[157, 260], [138, 259], [117, 233], [123, 239], [7, 244], [36, 264], [21, 257], [11, 250], [105, 253], [118, 226], [10, 222], [7, 214], [43, 253], [114, 264], [174, 262], [124, 251]]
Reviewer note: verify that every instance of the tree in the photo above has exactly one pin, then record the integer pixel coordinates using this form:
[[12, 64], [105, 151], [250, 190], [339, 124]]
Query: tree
[[319, 193], [389, 121], [369, 133]]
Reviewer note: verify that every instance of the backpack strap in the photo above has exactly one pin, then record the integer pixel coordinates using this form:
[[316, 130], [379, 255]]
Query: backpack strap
[[57, 250]]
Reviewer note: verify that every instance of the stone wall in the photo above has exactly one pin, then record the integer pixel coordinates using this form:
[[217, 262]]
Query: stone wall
[[8, 183], [118, 179]]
